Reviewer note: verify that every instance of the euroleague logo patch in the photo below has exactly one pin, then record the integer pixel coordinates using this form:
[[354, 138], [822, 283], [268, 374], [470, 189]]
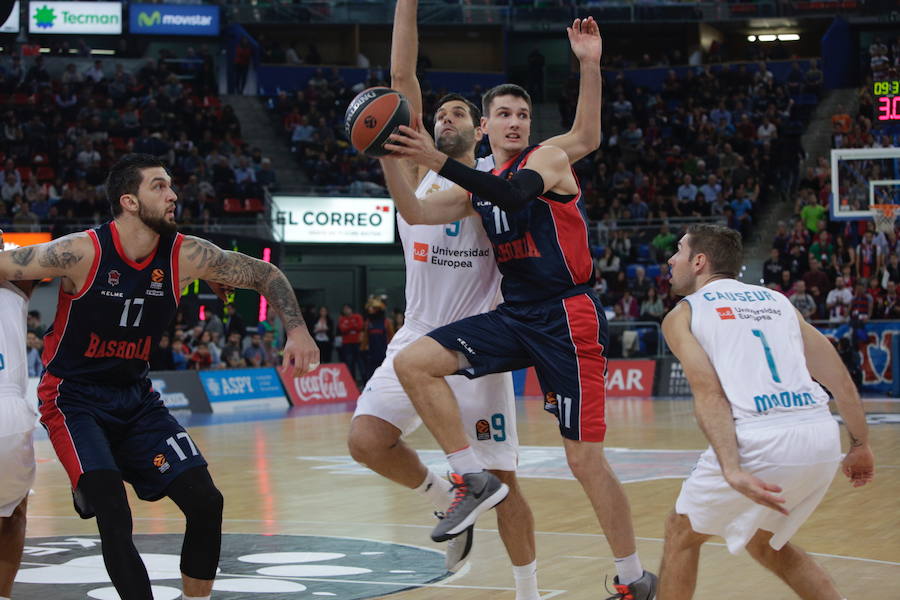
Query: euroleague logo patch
[[370, 122], [482, 430], [157, 276], [725, 313], [550, 401], [264, 567], [160, 462]]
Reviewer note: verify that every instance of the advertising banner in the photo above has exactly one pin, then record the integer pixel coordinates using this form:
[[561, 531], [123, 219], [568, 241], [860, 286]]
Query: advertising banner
[[873, 346], [624, 378], [243, 389], [180, 390], [96, 18], [173, 19], [313, 219], [11, 22], [328, 384]]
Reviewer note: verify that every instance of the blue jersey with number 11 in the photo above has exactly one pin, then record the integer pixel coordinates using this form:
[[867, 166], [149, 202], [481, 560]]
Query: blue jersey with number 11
[[542, 250]]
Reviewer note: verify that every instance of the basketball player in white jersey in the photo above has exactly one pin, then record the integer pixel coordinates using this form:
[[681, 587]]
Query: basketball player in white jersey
[[17, 421], [451, 274], [750, 359]]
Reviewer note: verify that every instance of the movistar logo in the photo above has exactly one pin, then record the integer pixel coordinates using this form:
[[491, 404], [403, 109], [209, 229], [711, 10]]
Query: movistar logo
[[156, 18], [150, 20]]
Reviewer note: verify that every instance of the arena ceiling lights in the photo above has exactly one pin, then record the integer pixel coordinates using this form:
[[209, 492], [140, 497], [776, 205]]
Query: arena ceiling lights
[[771, 37]]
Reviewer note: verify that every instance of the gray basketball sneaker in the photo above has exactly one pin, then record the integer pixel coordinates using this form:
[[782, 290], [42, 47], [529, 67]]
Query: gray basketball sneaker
[[474, 493], [642, 589], [458, 548]]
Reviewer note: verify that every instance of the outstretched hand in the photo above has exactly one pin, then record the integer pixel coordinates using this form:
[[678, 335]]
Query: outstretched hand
[[859, 465], [585, 40], [221, 290], [301, 355], [758, 490], [414, 144]]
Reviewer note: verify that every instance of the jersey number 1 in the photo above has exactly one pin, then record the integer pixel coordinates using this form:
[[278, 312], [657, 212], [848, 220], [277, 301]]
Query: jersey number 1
[[768, 352], [501, 224], [138, 302]]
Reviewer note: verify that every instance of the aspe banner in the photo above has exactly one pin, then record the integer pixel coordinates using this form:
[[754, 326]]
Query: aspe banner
[[173, 19], [96, 18], [233, 390], [624, 378], [328, 384]]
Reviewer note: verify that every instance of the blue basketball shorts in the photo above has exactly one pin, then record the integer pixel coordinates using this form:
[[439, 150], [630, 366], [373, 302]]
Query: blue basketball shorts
[[564, 339]]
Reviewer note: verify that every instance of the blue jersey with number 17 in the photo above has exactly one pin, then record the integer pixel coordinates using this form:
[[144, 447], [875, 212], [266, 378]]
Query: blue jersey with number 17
[[542, 250]]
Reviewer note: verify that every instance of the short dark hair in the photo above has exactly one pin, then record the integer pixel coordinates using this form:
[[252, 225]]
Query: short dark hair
[[473, 110], [504, 89], [721, 245], [125, 178]]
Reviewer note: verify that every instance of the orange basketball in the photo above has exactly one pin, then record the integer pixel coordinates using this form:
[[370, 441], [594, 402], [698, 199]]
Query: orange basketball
[[372, 116]]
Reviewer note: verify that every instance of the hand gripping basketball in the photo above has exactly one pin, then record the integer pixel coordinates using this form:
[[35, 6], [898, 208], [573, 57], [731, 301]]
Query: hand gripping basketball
[[374, 115]]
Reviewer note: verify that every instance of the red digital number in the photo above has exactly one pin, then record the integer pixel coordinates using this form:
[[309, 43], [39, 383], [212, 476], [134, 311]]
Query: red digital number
[[889, 108]]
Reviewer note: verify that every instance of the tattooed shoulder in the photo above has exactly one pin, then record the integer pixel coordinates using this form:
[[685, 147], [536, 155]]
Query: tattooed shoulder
[[61, 254]]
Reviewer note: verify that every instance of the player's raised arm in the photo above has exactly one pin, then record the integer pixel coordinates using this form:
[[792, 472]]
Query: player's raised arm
[[405, 53], [712, 409], [584, 136], [70, 256], [826, 367], [201, 259]]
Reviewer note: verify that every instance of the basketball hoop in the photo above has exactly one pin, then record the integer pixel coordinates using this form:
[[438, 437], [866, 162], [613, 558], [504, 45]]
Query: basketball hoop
[[884, 216]]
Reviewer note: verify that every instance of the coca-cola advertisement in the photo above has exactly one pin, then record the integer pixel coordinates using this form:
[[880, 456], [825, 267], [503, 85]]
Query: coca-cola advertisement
[[329, 383]]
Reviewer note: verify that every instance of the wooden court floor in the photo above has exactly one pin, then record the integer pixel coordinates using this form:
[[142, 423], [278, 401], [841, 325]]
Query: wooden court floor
[[293, 476]]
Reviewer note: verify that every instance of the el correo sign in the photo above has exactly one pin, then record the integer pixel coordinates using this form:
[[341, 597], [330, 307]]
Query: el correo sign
[[98, 18], [315, 219]]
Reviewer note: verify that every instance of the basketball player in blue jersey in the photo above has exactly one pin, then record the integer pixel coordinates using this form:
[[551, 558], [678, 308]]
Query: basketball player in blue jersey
[[437, 295], [17, 420], [532, 211], [121, 285], [750, 359]]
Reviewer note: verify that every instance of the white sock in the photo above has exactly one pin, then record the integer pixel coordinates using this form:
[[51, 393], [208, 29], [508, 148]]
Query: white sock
[[436, 489], [464, 461], [526, 581], [186, 597], [629, 569]]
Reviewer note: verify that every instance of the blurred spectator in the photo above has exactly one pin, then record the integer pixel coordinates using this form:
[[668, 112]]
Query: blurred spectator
[[772, 267], [323, 334], [272, 353], [235, 324], [802, 301], [201, 359], [232, 352], [254, 354], [838, 302], [35, 347], [34, 324], [161, 358], [377, 332], [350, 326], [179, 357], [652, 308]]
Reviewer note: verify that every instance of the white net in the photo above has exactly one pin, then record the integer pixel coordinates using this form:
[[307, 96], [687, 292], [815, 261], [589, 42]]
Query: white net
[[885, 215]]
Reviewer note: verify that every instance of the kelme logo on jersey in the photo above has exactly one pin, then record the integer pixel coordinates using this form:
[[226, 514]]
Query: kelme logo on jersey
[[99, 348], [725, 313], [420, 252], [113, 277]]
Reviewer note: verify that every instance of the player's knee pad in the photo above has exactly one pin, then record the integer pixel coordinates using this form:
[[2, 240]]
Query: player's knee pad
[[102, 494], [198, 497]]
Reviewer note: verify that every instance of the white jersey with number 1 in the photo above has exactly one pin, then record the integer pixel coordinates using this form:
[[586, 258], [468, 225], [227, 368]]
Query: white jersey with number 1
[[752, 337], [13, 364], [450, 269]]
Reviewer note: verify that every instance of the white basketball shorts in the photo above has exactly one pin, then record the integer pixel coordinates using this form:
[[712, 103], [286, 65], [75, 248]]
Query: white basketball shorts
[[17, 466], [487, 405], [800, 456]]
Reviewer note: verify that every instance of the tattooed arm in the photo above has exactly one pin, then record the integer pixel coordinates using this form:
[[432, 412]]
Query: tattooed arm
[[69, 257], [200, 259]]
